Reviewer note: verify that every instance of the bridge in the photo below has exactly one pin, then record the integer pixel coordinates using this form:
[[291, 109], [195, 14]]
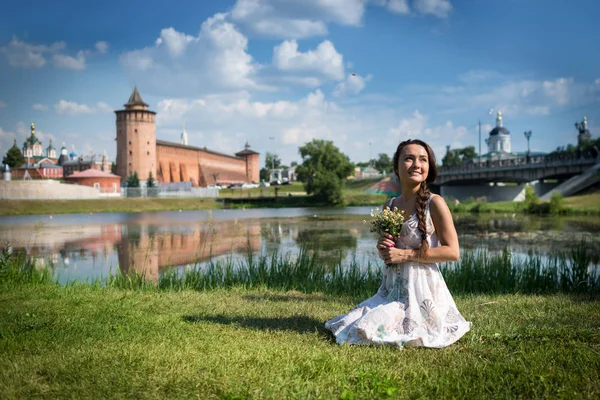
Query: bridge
[[578, 170]]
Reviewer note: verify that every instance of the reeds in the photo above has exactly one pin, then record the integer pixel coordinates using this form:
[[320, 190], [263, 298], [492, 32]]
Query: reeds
[[478, 271]]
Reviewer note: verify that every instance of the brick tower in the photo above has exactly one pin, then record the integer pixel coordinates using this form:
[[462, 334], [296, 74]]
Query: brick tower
[[136, 139], [252, 163]]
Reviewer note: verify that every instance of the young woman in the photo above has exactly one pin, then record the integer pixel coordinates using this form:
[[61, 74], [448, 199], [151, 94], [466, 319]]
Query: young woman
[[413, 306]]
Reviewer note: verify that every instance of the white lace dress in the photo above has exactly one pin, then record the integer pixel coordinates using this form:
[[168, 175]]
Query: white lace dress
[[413, 306]]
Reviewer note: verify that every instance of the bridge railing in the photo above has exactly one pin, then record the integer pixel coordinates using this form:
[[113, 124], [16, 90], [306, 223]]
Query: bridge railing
[[553, 160]]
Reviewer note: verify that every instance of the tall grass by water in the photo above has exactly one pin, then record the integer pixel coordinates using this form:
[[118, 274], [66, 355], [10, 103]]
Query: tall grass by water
[[477, 272]]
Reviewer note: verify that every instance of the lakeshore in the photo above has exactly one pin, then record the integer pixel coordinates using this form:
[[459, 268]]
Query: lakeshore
[[588, 204]]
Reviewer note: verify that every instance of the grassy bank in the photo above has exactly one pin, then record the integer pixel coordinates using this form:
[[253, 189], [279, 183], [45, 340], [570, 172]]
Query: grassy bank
[[31, 207], [588, 204], [91, 342]]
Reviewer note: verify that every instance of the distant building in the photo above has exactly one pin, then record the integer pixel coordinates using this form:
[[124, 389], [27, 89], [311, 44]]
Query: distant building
[[283, 174], [138, 150], [499, 146], [34, 150], [103, 181], [584, 133], [365, 173], [82, 163], [44, 168]]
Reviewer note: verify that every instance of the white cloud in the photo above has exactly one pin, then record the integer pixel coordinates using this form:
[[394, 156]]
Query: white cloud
[[25, 55], [2, 104], [417, 126], [295, 29], [439, 8], [398, 6], [101, 47], [177, 63], [559, 90], [40, 107], [67, 62], [64, 107], [136, 60], [477, 76], [353, 85], [511, 96], [21, 128], [324, 60], [4, 134], [175, 42], [597, 81], [296, 19], [101, 106]]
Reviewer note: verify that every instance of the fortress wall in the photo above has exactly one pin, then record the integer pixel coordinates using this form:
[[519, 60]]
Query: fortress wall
[[170, 160]]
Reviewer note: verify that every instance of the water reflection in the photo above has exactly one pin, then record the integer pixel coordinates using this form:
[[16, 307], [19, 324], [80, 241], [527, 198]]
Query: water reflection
[[146, 249], [90, 247]]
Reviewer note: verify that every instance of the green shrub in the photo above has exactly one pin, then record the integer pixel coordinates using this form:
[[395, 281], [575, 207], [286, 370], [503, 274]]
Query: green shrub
[[557, 204]]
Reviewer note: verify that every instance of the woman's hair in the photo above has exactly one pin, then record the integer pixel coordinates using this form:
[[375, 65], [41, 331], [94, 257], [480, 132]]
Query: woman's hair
[[423, 193]]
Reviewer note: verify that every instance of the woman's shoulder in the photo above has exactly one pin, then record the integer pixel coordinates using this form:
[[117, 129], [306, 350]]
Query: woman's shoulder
[[437, 203]]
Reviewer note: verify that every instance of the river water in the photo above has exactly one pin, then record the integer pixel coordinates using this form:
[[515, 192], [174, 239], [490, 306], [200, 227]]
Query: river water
[[92, 246]]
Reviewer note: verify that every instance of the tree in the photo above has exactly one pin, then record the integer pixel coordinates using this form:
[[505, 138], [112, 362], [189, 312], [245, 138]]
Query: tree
[[133, 181], [468, 153], [324, 170], [294, 163], [14, 158], [272, 161], [264, 174], [151, 182], [384, 163], [458, 156], [113, 167]]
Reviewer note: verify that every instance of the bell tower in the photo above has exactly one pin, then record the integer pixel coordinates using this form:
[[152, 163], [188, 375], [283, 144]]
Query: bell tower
[[136, 139]]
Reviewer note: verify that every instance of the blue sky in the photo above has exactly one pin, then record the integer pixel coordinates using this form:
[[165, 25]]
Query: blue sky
[[363, 73]]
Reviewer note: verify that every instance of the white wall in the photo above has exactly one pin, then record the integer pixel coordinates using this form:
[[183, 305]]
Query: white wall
[[45, 189]]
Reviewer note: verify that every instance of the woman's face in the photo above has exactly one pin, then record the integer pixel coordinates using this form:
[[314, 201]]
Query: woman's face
[[413, 164]]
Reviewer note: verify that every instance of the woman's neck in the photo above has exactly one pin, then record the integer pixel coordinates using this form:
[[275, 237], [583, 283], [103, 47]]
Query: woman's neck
[[409, 192]]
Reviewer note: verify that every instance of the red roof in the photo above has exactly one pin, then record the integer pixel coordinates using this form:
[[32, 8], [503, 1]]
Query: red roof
[[91, 173]]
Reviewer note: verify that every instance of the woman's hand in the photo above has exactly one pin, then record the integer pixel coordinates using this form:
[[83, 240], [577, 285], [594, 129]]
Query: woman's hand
[[385, 241], [384, 244], [392, 255]]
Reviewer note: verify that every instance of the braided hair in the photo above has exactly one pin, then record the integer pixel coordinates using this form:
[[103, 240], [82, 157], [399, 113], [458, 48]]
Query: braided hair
[[423, 194]]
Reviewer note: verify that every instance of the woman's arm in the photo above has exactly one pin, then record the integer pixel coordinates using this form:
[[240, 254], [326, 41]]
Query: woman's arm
[[449, 249]]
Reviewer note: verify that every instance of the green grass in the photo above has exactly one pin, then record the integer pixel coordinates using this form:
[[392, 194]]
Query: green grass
[[90, 342], [30, 207], [588, 204], [360, 185]]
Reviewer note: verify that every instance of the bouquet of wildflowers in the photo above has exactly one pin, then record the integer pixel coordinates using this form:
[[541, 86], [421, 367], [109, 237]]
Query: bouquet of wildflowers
[[387, 220]]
